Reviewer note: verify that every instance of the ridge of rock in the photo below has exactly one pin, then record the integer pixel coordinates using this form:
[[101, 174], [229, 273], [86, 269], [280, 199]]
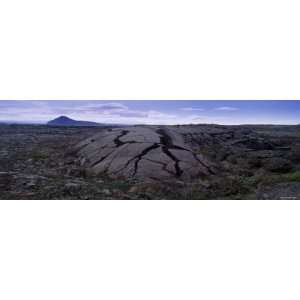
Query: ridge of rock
[[155, 152]]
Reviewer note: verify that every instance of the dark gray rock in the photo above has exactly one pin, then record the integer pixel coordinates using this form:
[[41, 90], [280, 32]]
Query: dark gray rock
[[277, 164], [154, 152], [280, 191], [72, 187], [295, 153], [6, 178]]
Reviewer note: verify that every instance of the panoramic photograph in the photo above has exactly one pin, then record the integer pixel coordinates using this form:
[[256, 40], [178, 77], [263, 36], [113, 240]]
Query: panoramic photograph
[[144, 150]]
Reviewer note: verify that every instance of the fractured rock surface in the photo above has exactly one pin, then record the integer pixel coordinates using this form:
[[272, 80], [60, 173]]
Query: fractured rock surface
[[243, 162], [155, 152]]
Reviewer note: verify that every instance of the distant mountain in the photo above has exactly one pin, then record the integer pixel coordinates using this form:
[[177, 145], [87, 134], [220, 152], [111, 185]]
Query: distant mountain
[[65, 121]]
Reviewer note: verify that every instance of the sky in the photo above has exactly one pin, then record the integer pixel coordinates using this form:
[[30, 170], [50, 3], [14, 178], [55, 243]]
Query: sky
[[154, 112]]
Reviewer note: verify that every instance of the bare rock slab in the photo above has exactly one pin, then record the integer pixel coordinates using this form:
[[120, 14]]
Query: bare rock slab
[[155, 152]]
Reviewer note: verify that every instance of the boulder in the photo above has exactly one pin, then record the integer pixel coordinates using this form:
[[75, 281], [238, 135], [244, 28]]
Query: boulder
[[72, 188]]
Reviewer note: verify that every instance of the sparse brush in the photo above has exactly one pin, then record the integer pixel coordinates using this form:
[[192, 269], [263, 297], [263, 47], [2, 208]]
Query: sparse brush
[[292, 176]]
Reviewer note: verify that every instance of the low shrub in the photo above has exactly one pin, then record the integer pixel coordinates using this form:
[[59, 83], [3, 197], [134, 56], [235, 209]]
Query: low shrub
[[292, 176]]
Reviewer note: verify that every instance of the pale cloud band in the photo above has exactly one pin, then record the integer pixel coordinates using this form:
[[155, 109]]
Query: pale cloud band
[[192, 109], [227, 108], [143, 112]]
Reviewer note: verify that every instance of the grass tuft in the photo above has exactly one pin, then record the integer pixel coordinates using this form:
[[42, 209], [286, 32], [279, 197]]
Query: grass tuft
[[292, 176]]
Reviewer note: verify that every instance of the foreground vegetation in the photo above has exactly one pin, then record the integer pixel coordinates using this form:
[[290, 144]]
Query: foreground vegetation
[[37, 162]]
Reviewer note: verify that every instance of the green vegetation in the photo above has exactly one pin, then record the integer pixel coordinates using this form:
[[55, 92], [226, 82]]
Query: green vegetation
[[292, 176]]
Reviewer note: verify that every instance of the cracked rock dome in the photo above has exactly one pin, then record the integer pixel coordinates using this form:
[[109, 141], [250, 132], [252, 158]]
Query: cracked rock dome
[[152, 152]]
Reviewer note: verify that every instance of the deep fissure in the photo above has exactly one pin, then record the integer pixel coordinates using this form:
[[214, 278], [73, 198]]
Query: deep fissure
[[140, 156], [117, 140]]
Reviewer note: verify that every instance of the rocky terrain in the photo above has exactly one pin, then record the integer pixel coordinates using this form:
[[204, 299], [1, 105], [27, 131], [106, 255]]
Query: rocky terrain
[[150, 162]]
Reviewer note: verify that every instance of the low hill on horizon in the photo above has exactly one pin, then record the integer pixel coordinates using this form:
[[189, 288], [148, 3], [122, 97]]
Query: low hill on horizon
[[66, 121]]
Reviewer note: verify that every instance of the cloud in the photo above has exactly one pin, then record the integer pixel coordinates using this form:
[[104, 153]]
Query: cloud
[[102, 107], [116, 113], [227, 108], [116, 110], [28, 111], [111, 106], [40, 111], [192, 109], [133, 114]]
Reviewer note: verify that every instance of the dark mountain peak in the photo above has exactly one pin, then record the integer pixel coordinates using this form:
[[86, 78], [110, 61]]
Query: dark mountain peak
[[63, 118], [66, 121]]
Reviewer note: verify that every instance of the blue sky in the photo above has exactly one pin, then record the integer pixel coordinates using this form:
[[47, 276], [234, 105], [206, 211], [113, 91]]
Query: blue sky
[[155, 112]]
